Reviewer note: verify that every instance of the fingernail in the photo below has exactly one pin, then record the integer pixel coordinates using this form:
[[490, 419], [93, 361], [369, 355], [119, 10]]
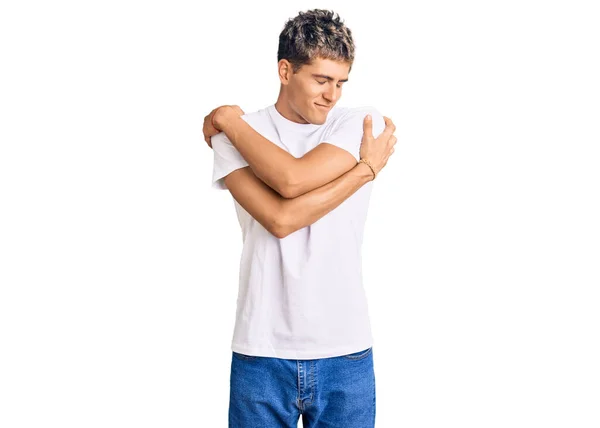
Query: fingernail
[[369, 116]]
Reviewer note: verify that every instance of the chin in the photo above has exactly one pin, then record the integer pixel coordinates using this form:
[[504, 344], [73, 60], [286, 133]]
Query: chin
[[319, 119]]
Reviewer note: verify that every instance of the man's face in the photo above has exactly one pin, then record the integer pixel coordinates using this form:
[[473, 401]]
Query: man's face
[[316, 88]]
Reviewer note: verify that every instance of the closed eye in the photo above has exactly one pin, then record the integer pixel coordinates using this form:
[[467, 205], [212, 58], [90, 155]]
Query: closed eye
[[322, 83]]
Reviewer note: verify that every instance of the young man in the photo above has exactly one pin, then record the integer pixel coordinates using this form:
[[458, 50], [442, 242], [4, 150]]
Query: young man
[[300, 172]]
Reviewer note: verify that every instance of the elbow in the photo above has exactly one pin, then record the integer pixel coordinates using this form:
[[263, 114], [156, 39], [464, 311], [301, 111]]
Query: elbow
[[281, 225], [289, 189], [279, 233], [288, 192]]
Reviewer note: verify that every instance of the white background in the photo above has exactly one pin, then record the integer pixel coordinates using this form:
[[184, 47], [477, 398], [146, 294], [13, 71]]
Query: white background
[[119, 262]]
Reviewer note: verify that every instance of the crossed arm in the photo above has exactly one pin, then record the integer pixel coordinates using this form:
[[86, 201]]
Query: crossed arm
[[284, 193], [283, 216], [287, 175]]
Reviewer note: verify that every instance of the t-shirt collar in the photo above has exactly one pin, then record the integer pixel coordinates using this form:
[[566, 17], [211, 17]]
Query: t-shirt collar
[[288, 125]]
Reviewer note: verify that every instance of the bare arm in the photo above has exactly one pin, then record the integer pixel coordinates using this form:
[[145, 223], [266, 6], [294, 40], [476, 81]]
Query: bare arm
[[269, 162], [306, 209], [282, 216], [287, 175]]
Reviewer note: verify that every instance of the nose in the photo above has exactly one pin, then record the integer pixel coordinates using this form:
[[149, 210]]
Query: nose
[[332, 94]]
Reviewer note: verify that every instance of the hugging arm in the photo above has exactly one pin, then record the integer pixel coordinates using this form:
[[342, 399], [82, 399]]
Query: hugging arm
[[283, 216], [287, 175]]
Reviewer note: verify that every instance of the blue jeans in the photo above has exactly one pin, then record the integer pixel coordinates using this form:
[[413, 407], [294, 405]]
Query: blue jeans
[[267, 392]]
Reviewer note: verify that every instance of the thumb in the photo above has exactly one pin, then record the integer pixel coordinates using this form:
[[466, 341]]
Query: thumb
[[368, 126]]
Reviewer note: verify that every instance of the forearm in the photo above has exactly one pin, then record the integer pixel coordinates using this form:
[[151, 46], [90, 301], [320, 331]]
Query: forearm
[[307, 209], [269, 162]]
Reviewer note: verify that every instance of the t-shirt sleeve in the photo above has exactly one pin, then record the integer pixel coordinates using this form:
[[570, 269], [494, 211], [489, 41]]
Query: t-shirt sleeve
[[226, 160], [347, 132]]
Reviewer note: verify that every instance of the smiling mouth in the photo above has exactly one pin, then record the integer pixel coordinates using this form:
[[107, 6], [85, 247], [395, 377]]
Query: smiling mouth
[[322, 106]]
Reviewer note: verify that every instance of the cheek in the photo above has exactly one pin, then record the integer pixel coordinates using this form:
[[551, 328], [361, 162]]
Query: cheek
[[314, 90], [317, 92], [307, 92]]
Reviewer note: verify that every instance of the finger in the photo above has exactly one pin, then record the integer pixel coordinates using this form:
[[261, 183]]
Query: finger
[[208, 127], [390, 122], [390, 128], [368, 126], [387, 158], [206, 131], [391, 125]]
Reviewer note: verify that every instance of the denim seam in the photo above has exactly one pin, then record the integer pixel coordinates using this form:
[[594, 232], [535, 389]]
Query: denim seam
[[312, 383], [360, 356], [244, 357], [298, 400], [374, 409]]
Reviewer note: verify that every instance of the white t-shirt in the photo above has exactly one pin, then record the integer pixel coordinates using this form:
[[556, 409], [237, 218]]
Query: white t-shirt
[[302, 297]]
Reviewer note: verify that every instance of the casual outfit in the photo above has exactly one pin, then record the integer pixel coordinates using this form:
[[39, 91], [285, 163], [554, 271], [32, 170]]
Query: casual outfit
[[301, 300]]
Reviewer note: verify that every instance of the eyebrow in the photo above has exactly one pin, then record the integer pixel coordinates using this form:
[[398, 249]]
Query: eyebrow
[[322, 76]]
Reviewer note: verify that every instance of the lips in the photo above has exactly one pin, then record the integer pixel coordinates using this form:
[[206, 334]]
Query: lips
[[323, 107]]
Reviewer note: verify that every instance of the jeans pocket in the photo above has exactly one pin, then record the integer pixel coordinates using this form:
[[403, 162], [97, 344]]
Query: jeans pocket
[[359, 355], [244, 356]]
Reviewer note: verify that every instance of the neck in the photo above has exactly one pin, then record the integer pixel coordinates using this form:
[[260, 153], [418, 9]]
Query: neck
[[283, 107]]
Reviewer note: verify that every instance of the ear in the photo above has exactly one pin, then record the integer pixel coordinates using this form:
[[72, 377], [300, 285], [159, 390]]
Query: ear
[[284, 69]]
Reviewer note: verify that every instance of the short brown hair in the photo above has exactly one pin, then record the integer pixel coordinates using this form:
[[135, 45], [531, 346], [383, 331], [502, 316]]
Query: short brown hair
[[316, 33]]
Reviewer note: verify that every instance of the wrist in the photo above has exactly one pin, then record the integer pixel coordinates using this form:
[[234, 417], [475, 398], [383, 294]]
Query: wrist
[[363, 170]]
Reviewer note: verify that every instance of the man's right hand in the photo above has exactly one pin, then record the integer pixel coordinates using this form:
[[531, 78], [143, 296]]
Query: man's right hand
[[209, 129], [377, 150]]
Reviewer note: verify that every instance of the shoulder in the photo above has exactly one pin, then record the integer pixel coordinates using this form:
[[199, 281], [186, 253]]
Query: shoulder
[[350, 113], [254, 119], [351, 119]]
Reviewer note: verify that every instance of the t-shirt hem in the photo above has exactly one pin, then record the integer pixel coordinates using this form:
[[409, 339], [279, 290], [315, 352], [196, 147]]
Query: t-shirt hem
[[299, 354]]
